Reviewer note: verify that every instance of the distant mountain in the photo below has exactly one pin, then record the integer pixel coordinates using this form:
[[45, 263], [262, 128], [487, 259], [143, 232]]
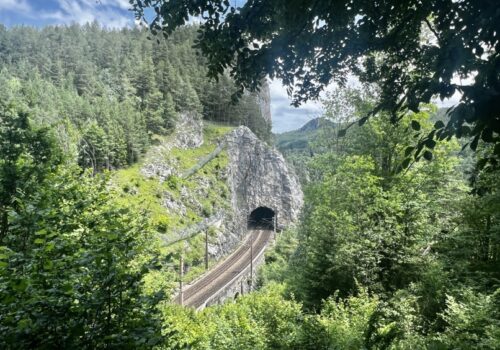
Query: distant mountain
[[299, 140], [315, 124]]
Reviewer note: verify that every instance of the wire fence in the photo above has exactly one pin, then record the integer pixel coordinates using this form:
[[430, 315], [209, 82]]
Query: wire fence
[[192, 231]]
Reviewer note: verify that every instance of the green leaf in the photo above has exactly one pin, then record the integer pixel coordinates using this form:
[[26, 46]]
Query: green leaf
[[428, 155], [49, 247], [406, 163], [362, 121], [464, 131], [487, 135], [408, 150], [68, 288], [20, 285], [48, 265], [39, 241], [430, 143], [481, 163], [473, 144], [342, 132], [438, 125], [496, 150], [415, 125], [419, 149]]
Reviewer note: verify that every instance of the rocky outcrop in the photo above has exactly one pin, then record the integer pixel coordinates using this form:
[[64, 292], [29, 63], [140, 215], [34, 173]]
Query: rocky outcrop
[[258, 176], [264, 101], [188, 131]]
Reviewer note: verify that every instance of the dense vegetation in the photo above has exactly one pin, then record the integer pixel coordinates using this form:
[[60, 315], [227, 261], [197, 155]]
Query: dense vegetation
[[385, 257], [393, 251], [414, 50], [110, 91], [71, 259]]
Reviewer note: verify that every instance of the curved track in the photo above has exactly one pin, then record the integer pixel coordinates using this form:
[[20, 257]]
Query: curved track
[[214, 280]]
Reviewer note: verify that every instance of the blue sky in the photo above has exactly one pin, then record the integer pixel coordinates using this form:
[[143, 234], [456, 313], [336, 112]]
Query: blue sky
[[44, 12], [115, 14]]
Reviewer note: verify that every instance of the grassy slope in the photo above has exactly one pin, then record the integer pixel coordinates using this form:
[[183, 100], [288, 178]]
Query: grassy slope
[[199, 201]]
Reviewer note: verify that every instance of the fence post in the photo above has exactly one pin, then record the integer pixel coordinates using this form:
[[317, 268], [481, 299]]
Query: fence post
[[206, 249], [181, 276]]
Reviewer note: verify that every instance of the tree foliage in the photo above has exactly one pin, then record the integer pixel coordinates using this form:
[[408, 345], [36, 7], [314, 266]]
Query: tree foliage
[[114, 91], [411, 244], [71, 261], [414, 50]]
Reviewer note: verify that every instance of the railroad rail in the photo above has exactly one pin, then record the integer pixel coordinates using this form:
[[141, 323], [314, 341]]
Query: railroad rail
[[215, 280]]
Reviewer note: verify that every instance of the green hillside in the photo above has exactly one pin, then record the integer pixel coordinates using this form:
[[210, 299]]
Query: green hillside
[[196, 202], [303, 140], [111, 92]]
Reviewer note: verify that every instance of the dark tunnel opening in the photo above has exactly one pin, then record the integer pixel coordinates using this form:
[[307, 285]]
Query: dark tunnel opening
[[261, 218]]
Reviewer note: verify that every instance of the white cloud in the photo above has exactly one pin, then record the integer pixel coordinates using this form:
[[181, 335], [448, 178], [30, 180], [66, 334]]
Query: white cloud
[[123, 4], [15, 5], [106, 12], [286, 117]]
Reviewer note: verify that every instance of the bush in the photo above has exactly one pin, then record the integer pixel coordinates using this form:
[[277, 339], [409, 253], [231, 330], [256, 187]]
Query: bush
[[473, 321]]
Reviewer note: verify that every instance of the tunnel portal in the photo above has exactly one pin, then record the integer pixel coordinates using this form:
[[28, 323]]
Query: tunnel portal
[[261, 218]]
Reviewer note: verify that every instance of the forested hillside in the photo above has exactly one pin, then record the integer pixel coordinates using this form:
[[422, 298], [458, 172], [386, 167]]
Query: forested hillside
[[82, 263], [303, 140], [110, 91], [299, 146]]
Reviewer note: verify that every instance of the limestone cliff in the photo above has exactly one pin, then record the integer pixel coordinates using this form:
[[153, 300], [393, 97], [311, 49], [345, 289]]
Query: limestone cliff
[[258, 176], [264, 101]]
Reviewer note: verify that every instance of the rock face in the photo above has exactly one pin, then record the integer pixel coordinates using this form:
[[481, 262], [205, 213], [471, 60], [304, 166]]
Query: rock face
[[264, 101], [188, 131], [258, 176]]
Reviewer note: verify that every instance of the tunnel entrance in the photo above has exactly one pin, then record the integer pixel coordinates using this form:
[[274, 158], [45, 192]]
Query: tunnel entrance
[[261, 218]]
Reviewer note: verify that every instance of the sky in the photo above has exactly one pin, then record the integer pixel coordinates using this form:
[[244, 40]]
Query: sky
[[45, 12], [286, 117]]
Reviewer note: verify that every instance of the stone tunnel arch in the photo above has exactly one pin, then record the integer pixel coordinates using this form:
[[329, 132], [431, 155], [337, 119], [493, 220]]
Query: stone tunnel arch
[[261, 218]]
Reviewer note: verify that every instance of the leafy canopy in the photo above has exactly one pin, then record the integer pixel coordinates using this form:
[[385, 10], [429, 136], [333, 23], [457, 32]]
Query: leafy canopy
[[72, 261], [415, 50]]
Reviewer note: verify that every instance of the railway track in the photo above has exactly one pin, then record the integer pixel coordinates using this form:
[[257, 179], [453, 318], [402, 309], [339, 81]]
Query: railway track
[[210, 284]]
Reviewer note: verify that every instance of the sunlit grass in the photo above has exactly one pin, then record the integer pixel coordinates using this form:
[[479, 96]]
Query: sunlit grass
[[148, 194]]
